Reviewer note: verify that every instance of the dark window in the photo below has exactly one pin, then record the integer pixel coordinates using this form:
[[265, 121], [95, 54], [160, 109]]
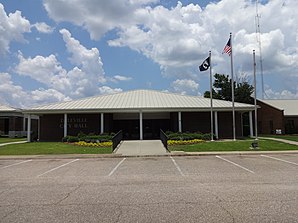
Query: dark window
[[271, 126]]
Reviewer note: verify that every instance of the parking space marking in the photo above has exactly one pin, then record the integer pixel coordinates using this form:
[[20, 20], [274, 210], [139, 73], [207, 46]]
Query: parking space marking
[[177, 167], [219, 157], [115, 168], [271, 157], [57, 167], [15, 164]]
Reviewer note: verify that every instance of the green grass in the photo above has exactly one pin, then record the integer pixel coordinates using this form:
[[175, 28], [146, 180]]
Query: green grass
[[6, 139], [288, 137], [41, 148], [239, 145]]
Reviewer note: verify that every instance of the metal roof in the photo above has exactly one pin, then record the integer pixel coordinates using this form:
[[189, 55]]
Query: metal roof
[[136, 100], [290, 106]]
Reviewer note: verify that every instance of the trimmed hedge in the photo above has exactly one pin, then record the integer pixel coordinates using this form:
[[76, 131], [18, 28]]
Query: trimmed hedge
[[88, 138], [187, 136]]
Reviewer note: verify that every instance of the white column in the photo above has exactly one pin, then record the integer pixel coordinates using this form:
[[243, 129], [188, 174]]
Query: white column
[[141, 125], [65, 125], [250, 125], [24, 123], [29, 129], [38, 122], [216, 124], [101, 123], [179, 122]]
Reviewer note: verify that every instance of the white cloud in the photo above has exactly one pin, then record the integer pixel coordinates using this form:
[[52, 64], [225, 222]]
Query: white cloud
[[12, 28], [179, 38], [185, 86], [40, 68], [117, 78], [108, 90], [283, 94], [18, 97], [84, 79], [97, 17], [43, 27]]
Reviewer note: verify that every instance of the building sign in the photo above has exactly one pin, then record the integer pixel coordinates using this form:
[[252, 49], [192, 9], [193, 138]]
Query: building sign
[[75, 123]]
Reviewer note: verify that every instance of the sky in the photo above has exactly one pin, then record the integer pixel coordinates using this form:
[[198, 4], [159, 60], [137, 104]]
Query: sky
[[59, 50]]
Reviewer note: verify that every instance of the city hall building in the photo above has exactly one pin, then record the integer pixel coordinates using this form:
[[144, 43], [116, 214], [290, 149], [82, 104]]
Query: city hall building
[[140, 114]]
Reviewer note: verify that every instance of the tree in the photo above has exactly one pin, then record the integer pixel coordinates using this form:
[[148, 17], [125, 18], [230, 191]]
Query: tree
[[222, 90]]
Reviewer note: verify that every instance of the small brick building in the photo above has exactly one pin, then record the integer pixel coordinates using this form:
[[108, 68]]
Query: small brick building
[[278, 114]]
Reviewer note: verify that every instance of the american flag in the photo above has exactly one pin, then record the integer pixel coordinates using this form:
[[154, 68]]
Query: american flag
[[228, 48]]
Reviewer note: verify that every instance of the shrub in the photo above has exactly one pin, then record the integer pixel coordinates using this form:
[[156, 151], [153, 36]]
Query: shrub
[[184, 142], [65, 139], [94, 144], [73, 139], [188, 136]]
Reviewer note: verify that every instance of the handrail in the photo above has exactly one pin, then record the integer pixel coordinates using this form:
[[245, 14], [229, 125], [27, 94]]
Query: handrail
[[117, 139], [164, 139]]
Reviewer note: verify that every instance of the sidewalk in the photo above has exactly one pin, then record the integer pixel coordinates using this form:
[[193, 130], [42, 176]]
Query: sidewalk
[[9, 143], [281, 140], [141, 148]]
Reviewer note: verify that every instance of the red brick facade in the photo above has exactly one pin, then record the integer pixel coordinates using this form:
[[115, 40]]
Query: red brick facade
[[270, 119]]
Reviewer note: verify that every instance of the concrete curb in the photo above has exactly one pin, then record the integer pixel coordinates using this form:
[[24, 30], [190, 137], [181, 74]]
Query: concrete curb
[[175, 153]]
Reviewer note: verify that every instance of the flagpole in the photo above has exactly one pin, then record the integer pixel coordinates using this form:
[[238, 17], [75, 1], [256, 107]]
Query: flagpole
[[255, 95], [233, 102], [211, 102]]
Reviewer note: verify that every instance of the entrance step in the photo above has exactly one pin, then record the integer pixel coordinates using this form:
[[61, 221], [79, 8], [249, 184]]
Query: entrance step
[[141, 148]]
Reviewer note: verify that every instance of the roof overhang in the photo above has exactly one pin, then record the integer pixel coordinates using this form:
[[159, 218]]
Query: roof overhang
[[135, 110]]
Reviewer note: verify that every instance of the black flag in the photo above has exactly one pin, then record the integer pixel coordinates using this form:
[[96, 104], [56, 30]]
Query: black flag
[[205, 65]]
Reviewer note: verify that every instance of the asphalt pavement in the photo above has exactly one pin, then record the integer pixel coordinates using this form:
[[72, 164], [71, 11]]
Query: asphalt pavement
[[219, 188]]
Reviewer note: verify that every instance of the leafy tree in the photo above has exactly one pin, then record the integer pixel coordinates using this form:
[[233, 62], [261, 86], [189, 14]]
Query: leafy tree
[[222, 89]]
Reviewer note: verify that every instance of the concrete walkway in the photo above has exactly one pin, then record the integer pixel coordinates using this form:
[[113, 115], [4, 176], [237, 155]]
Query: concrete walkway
[[281, 140], [141, 148], [9, 143]]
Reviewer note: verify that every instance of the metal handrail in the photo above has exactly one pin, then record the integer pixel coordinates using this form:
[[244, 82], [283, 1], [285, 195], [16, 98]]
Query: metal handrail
[[164, 139], [117, 139]]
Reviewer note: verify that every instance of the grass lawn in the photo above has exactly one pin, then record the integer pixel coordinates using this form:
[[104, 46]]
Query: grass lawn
[[40, 148], [239, 145], [288, 137], [6, 139]]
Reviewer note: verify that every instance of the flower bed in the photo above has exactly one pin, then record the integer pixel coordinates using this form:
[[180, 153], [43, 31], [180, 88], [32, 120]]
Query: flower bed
[[184, 142], [94, 144]]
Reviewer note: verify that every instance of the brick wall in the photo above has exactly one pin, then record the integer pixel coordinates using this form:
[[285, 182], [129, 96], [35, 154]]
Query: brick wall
[[269, 119]]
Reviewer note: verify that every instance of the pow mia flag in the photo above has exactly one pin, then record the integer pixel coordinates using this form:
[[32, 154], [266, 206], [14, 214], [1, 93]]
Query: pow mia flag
[[205, 65]]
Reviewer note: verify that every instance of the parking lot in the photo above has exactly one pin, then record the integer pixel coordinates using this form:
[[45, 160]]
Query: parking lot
[[225, 188]]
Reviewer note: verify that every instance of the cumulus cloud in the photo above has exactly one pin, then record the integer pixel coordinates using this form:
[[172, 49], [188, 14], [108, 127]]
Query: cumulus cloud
[[97, 17], [18, 97], [284, 94], [179, 38], [185, 86], [108, 90], [12, 28], [84, 79], [43, 27]]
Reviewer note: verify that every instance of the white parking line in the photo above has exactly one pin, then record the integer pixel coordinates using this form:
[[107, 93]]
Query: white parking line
[[177, 167], [219, 157], [271, 157], [57, 167], [115, 168], [15, 164]]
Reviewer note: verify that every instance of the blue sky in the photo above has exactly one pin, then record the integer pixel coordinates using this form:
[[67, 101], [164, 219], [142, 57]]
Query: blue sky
[[60, 50]]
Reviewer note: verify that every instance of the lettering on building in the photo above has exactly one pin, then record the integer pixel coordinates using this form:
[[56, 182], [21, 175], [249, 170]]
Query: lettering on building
[[75, 123]]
